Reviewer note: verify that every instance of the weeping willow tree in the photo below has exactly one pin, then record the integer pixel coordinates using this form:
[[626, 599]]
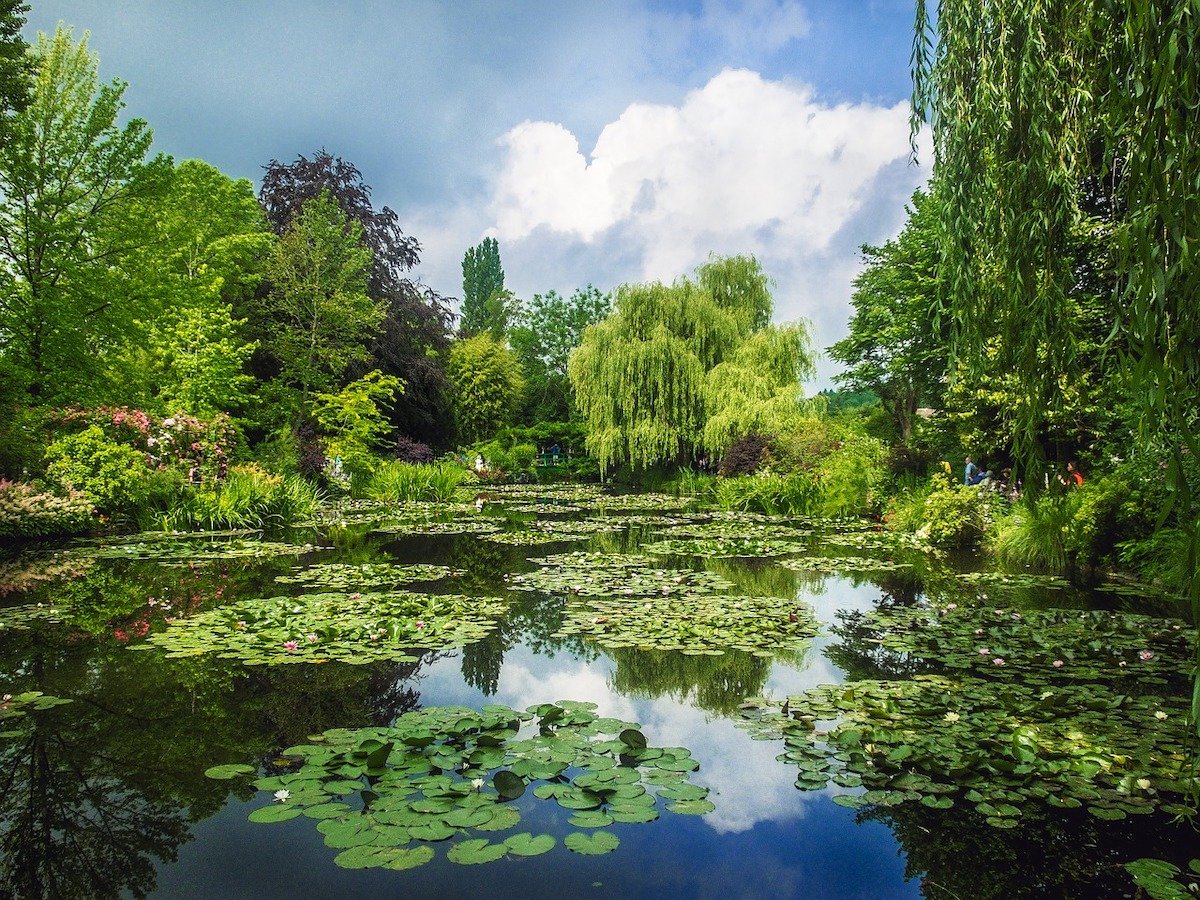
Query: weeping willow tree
[[758, 389], [648, 378], [1029, 102]]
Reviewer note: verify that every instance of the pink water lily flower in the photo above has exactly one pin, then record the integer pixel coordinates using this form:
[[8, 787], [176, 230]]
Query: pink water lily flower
[[311, 638], [1145, 656], [420, 624], [291, 646], [985, 651], [997, 661], [1058, 664]]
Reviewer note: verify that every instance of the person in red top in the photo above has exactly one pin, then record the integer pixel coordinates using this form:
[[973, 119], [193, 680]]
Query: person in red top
[[1074, 476]]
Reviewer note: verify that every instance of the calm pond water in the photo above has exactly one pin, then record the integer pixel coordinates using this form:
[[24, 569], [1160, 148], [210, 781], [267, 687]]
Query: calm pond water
[[107, 795]]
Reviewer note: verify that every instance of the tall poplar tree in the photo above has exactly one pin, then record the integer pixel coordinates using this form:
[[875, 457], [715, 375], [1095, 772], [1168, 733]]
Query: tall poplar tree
[[484, 306]]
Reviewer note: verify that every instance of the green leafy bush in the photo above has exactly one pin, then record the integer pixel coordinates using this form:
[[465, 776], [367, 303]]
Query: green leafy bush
[[955, 515], [26, 511], [114, 476], [796, 494], [851, 477]]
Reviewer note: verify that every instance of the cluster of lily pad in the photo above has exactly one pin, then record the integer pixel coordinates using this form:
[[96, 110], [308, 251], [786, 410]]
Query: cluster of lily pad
[[694, 624], [385, 796], [171, 550], [613, 574], [434, 526], [349, 576], [940, 741], [352, 628], [547, 531], [725, 547], [836, 564], [1034, 645], [21, 618]]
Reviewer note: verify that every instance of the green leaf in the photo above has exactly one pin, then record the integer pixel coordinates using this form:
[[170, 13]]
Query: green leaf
[[229, 770], [476, 851], [594, 844], [525, 844], [508, 784], [276, 812]]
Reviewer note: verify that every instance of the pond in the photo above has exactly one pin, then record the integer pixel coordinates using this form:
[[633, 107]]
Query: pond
[[571, 694]]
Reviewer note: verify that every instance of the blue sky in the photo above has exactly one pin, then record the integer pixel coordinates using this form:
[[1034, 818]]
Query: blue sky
[[600, 142]]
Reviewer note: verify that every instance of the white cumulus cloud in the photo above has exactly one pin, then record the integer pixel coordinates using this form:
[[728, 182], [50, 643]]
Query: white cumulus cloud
[[743, 164]]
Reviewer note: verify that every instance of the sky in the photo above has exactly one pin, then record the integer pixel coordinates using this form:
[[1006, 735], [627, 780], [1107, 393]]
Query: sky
[[599, 142]]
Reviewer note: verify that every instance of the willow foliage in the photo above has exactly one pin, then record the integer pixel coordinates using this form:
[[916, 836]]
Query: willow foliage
[[1029, 101], [648, 378]]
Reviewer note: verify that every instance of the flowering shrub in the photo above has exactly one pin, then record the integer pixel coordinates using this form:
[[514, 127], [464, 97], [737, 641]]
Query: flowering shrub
[[26, 511], [180, 440]]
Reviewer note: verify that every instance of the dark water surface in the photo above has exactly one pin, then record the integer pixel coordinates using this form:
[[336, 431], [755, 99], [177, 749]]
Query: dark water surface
[[106, 796]]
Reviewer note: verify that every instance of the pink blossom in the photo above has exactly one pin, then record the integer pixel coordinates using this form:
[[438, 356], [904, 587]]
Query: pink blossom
[[311, 638], [291, 646], [952, 606], [997, 661], [984, 651], [420, 624], [1058, 664], [1145, 656], [355, 596]]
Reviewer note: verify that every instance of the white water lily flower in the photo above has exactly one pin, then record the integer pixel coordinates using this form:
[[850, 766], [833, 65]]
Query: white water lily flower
[[477, 784], [282, 794], [952, 717], [1144, 783], [1160, 715]]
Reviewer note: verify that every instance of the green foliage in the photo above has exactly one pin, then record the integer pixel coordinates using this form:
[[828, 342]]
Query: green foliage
[[956, 515], [27, 511], [394, 481], [793, 494], [202, 244], [895, 347], [317, 319], [484, 307], [113, 475], [485, 382], [546, 330], [247, 498], [639, 376], [15, 67], [757, 389], [851, 478], [355, 423], [1036, 535], [68, 169]]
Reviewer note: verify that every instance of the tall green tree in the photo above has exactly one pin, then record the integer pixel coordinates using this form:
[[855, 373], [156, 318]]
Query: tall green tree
[[485, 305], [897, 345], [204, 244], [1029, 102], [415, 332], [641, 376], [485, 386], [317, 318], [68, 168], [547, 329]]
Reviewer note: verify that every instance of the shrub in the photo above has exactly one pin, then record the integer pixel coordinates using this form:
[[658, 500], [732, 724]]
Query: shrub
[[956, 515], [1162, 557], [395, 481], [795, 494], [745, 455], [850, 477], [410, 451], [113, 475], [26, 511]]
